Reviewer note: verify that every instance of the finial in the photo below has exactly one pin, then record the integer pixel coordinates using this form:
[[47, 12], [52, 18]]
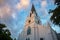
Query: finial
[[33, 8]]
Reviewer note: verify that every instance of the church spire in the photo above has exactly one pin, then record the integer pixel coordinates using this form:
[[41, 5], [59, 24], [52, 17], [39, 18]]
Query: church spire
[[33, 9], [33, 17]]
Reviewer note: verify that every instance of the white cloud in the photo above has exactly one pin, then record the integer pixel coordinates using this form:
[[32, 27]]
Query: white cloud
[[8, 14], [1, 1], [14, 15], [43, 9], [22, 4], [43, 3], [5, 10]]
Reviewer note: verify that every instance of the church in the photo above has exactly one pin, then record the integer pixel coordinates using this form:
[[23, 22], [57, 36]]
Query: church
[[34, 30]]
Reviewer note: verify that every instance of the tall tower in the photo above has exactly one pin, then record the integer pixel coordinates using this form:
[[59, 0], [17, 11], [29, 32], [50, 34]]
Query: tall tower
[[33, 30], [31, 25], [33, 17]]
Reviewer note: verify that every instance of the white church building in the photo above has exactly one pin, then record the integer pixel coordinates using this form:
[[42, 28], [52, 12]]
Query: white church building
[[34, 30]]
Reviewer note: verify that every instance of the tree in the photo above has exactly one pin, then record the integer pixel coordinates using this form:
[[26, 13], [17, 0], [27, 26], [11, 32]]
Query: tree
[[55, 18], [4, 34]]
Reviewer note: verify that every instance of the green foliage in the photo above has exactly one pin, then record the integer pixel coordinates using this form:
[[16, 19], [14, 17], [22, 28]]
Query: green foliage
[[4, 34], [55, 18], [57, 2], [2, 25]]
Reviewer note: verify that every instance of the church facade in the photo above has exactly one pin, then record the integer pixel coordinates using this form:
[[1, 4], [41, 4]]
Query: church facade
[[34, 30]]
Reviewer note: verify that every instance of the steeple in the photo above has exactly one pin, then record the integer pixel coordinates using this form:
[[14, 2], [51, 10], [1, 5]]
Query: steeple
[[33, 17], [33, 9]]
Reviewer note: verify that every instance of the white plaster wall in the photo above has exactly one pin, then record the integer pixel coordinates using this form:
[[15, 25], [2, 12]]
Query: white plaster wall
[[39, 32]]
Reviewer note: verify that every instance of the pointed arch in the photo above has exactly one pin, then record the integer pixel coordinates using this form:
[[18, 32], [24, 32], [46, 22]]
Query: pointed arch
[[29, 30]]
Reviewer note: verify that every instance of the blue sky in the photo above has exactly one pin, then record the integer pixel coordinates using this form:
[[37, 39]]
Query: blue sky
[[13, 13]]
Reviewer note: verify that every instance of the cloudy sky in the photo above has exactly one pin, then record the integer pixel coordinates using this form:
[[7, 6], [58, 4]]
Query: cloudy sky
[[13, 13]]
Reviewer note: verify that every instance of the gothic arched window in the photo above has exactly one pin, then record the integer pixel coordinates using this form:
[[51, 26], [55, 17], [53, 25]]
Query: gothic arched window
[[28, 31], [41, 38], [28, 39]]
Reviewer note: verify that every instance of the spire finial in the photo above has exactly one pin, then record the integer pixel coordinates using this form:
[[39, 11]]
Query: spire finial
[[33, 8]]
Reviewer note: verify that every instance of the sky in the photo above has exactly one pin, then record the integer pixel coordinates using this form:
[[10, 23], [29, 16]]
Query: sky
[[13, 13]]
